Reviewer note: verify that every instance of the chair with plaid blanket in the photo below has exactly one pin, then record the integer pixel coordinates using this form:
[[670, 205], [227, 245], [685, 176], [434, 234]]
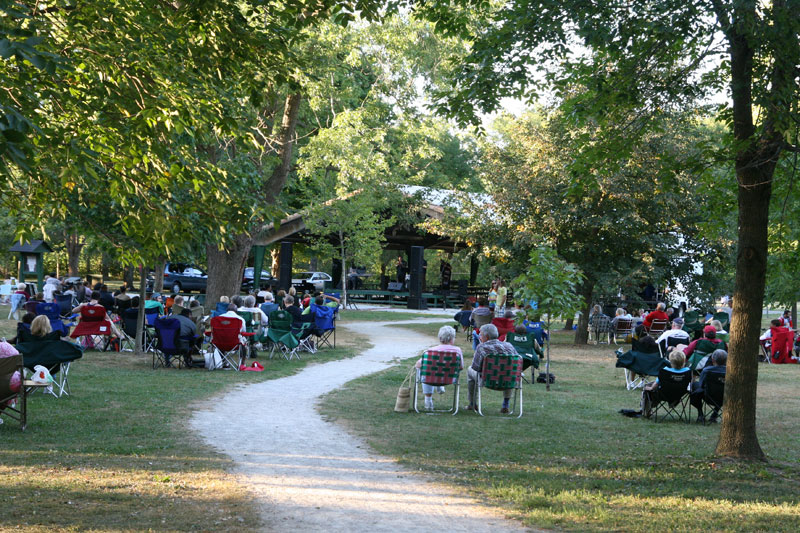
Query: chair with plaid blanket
[[439, 368], [501, 372]]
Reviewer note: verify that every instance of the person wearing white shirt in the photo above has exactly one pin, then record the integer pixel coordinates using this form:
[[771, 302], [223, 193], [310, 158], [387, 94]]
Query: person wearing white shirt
[[250, 306], [676, 331]]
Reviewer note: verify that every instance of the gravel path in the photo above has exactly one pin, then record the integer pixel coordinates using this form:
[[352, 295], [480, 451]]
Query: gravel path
[[309, 475]]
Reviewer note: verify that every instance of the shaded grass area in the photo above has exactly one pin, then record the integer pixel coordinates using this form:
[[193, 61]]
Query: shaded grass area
[[573, 463], [117, 455]]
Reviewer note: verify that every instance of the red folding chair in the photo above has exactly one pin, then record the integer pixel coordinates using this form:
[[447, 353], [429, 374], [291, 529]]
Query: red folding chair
[[94, 325], [225, 339]]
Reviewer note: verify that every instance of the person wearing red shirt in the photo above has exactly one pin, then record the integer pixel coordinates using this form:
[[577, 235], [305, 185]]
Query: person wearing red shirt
[[658, 314]]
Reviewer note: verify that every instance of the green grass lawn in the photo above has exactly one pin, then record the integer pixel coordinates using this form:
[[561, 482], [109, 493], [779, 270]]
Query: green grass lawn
[[573, 463], [377, 315], [117, 455]]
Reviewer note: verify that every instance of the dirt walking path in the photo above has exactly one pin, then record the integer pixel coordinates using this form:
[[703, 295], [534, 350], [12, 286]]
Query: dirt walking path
[[310, 475]]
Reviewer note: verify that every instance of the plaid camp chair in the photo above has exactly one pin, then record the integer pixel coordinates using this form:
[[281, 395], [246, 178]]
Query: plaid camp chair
[[280, 335], [439, 368], [225, 340], [501, 372], [94, 326]]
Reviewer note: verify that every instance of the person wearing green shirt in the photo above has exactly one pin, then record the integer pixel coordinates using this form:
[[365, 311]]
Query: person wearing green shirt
[[155, 301]]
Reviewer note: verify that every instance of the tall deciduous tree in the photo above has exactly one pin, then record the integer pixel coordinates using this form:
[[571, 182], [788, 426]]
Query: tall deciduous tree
[[647, 55]]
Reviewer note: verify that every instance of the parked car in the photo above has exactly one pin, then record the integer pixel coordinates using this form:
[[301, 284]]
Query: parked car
[[316, 280], [267, 280], [183, 277]]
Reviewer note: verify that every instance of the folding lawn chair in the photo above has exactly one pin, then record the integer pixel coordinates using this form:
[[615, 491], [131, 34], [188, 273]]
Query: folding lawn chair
[[324, 325], [53, 314], [639, 367], [221, 309], [692, 323], [93, 326], [623, 329], [703, 349], [600, 326], [252, 324], [14, 398], [167, 344], [713, 394], [724, 319], [56, 356], [129, 321], [501, 372], [439, 368], [657, 327], [669, 342], [225, 339], [672, 395], [281, 336], [527, 347], [64, 302]]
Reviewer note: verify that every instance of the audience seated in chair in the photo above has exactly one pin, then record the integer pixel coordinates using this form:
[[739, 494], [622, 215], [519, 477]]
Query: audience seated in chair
[[645, 343], [651, 395], [504, 324], [447, 336], [95, 300], [480, 315], [676, 332], [719, 358], [658, 314], [23, 329], [699, 349], [780, 340], [269, 304], [488, 345]]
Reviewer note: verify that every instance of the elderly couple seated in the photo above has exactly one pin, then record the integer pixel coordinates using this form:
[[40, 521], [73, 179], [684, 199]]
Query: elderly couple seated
[[674, 387], [496, 364]]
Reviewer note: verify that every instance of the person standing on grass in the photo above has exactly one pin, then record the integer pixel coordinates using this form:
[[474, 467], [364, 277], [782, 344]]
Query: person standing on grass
[[489, 345], [502, 297]]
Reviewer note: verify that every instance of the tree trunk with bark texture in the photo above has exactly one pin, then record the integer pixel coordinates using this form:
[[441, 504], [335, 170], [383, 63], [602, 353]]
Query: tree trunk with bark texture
[[74, 244], [158, 275], [737, 436], [582, 332], [225, 267], [568, 324]]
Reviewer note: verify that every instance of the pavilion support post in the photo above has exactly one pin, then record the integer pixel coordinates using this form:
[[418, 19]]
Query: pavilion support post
[[258, 264], [473, 269], [285, 277], [415, 299]]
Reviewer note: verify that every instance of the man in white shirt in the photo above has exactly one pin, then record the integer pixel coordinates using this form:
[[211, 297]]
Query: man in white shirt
[[231, 313], [676, 331]]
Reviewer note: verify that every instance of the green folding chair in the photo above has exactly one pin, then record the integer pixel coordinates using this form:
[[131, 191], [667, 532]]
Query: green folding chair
[[527, 347], [501, 372], [280, 335]]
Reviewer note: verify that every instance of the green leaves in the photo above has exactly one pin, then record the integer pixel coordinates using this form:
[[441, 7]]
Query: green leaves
[[551, 282]]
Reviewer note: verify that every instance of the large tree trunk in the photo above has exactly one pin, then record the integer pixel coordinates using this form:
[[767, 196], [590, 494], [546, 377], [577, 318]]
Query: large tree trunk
[[225, 269], [158, 275], [74, 244], [582, 332], [756, 158], [738, 437]]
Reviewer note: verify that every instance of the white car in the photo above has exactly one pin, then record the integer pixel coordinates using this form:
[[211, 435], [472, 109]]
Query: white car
[[317, 279]]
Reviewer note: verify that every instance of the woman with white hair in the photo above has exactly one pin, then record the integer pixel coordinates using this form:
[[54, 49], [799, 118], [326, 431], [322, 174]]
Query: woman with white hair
[[447, 336]]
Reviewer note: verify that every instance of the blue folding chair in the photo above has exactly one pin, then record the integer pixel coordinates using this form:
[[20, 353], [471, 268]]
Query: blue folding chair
[[324, 324], [53, 313], [221, 309], [167, 346]]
